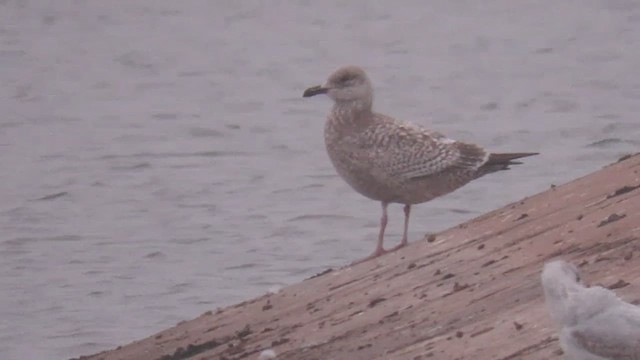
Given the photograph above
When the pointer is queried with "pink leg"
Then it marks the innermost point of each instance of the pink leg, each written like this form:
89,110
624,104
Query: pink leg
405,240
379,246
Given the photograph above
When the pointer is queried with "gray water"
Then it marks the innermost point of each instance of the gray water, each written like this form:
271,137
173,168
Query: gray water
158,161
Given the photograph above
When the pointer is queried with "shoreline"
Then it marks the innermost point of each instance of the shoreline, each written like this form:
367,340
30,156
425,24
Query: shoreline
473,292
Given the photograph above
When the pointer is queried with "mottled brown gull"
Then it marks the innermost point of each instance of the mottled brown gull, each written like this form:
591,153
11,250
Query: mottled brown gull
393,161
594,323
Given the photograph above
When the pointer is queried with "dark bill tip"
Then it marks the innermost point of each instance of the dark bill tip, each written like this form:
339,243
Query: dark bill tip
315,90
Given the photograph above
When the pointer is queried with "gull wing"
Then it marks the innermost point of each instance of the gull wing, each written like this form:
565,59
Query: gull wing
613,334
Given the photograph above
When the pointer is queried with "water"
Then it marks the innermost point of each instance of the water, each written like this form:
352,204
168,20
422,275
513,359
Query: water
158,160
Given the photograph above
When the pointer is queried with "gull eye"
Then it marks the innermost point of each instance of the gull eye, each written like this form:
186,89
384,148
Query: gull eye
344,79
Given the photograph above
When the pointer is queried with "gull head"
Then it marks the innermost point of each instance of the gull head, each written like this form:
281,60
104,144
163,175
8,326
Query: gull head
560,279
347,84
560,271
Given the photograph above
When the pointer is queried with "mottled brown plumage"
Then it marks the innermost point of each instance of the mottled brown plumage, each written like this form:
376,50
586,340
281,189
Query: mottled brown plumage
393,161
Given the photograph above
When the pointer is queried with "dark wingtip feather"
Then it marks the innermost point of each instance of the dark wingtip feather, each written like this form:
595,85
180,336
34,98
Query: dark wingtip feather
507,158
497,162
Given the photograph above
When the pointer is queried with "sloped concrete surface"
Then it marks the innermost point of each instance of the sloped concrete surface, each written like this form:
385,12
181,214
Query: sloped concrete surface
472,293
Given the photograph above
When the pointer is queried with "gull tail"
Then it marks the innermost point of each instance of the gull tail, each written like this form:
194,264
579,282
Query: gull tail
497,162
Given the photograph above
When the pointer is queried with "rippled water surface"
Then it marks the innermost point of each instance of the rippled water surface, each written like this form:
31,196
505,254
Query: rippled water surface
158,160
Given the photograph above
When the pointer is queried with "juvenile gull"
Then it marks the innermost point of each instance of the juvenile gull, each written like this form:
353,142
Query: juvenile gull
594,323
393,161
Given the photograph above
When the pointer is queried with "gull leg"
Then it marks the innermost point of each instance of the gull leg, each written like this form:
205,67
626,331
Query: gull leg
405,240
379,246
383,226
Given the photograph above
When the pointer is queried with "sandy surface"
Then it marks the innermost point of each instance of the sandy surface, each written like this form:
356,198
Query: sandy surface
474,292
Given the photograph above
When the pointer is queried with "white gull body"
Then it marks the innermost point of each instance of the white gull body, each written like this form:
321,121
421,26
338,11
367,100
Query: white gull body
594,323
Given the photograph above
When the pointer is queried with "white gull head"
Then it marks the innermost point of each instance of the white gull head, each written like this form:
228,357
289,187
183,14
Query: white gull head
559,280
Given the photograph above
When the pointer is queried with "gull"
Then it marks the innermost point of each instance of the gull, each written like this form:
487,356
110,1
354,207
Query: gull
594,323
393,161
